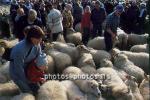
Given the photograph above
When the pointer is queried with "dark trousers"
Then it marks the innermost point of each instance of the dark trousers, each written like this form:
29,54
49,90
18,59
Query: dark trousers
97,30
86,35
108,41
55,36
34,87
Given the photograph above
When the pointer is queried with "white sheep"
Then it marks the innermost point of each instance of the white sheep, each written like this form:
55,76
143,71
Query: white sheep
134,39
113,81
139,59
131,83
107,63
122,38
144,88
97,43
2,50
73,90
86,59
99,55
8,43
121,61
73,37
72,51
140,48
24,96
61,60
4,72
9,89
89,70
51,65
52,90
86,85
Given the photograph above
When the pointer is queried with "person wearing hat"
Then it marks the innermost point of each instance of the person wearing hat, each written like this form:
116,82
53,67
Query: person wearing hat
23,53
35,72
112,23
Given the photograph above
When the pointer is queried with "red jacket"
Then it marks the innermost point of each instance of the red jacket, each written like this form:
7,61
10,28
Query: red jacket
86,20
34,75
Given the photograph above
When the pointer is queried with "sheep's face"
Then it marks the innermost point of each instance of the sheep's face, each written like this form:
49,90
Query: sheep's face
114,51
106,63
120,58
94,88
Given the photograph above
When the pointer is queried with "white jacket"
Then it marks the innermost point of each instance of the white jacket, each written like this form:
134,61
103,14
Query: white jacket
54,21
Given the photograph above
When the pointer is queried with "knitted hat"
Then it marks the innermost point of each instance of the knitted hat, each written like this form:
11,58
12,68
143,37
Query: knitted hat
41,60
119,8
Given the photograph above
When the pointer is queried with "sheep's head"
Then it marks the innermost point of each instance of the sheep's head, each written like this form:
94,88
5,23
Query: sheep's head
83,49
94,87
120,58
48,46
114,51
4,43
106,63
131,81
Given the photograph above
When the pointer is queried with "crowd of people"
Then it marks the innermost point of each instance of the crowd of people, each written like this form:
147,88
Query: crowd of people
56,16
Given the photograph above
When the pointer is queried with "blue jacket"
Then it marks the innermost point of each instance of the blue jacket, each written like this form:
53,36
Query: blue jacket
20,58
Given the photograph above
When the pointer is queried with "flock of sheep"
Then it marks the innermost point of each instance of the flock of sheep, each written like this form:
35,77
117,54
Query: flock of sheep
124,74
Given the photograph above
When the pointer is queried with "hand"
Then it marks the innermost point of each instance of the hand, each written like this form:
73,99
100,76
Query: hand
43,80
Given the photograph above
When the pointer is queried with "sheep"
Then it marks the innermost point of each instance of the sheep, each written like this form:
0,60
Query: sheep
97,43
107,63
131,83
61,60
51,65
139,59
8,43
99,55
87,86
140,48
144,88
73,91
4,72
8,89
24,96
121,61
122,38
52,90
88,70
72,51
73,37
134,39
2,50
113,81
86,59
